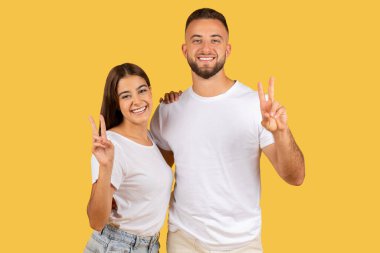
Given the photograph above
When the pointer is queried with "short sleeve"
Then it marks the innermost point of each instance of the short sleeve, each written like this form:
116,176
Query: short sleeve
156,125
117,170
266,137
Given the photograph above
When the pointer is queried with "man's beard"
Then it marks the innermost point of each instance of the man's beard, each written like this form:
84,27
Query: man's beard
206,73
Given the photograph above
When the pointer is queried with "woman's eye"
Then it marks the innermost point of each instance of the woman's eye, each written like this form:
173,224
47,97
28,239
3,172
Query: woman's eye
126,96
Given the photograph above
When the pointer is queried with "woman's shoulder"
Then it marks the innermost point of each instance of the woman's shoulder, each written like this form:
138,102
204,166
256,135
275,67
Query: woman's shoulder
115,138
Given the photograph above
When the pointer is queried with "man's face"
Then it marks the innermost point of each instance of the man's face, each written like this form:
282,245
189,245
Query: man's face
206,46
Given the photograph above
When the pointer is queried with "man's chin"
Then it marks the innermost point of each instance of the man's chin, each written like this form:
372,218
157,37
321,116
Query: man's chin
205,74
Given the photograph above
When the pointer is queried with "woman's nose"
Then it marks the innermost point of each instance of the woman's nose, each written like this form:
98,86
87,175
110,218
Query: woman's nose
136,100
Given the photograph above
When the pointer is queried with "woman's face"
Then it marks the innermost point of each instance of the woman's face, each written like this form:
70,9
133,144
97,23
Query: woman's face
135,99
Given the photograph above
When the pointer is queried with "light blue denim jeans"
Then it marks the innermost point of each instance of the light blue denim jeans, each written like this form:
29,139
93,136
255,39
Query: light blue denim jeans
114,240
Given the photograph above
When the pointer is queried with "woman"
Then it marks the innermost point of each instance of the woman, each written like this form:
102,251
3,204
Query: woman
131,180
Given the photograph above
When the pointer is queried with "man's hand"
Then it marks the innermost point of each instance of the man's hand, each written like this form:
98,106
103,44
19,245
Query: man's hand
274,115
171,97
285,155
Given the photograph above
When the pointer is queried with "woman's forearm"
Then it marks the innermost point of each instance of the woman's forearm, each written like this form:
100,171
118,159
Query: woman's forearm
100,204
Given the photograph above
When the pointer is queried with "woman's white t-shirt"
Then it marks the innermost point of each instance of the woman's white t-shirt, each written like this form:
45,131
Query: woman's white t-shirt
143,182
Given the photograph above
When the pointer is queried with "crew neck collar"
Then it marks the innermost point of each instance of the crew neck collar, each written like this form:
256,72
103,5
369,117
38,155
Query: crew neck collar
132,141
217,97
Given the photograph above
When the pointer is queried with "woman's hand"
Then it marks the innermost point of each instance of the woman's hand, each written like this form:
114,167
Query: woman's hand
102,148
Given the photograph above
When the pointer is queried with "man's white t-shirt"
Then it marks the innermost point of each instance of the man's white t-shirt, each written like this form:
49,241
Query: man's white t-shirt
143,182
217,143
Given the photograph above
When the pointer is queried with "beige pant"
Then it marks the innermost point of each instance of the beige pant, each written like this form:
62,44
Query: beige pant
181,242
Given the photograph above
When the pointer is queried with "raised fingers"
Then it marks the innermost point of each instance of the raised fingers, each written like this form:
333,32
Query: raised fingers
93,126
271,88
103,127
261,92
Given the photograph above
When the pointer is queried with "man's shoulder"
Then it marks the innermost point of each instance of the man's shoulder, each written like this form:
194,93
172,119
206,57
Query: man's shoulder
163,111
170,106
246,91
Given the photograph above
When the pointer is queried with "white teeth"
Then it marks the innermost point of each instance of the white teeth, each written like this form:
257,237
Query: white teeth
139,110
205,59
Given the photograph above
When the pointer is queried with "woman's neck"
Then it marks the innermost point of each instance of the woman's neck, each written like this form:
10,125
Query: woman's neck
137,133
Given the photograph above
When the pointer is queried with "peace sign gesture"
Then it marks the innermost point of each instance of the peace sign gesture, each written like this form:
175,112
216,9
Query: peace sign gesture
274,115
102,148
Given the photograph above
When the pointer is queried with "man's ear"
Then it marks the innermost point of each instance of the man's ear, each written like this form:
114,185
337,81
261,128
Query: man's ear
228,50
184,50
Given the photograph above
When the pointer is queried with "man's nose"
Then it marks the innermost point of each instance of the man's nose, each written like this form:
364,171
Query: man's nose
206,47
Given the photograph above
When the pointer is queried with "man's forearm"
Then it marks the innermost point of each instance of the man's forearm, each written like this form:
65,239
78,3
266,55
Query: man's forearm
290,160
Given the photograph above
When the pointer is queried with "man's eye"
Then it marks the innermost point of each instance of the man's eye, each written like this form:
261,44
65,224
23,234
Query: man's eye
216,41
143,90
196,41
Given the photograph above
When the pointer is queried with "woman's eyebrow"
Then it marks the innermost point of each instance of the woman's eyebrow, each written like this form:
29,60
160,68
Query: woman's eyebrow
123,92
127,91
142,85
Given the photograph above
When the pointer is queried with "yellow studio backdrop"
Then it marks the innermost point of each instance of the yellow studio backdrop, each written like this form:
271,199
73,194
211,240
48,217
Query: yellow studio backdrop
55,56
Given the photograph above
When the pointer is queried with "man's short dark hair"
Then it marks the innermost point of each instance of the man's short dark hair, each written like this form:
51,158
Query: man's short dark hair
206,13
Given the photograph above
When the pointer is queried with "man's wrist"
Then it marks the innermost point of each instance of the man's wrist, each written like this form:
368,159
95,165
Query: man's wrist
282,133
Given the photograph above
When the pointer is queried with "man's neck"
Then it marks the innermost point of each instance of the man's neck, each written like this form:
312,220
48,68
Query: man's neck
214,86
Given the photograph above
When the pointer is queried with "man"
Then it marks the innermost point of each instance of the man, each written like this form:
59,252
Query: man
215,133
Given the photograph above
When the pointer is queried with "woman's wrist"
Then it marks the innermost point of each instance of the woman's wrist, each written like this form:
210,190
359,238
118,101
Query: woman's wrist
105,171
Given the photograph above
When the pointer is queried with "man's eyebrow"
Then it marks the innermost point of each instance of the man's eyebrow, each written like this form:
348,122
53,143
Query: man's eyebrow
195,35
217,35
